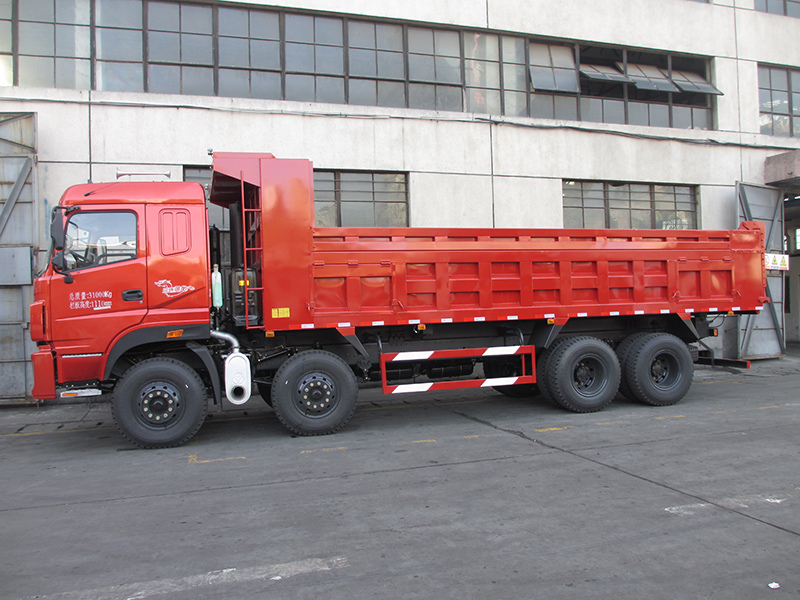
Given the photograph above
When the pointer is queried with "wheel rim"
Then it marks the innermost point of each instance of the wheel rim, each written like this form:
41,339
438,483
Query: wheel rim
664,371
589,376
316,395
159,405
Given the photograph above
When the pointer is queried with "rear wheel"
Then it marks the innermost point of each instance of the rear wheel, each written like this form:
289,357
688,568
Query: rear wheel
583,374
159,403
659,370
314,393
543,367
623,353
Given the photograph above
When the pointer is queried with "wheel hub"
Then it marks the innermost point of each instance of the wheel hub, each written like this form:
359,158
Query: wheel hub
158,404
316,395
584,376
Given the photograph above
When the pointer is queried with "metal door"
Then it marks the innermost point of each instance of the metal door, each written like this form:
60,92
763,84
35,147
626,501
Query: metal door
18,230
762,335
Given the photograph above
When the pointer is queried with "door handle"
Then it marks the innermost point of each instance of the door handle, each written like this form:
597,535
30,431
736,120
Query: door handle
133,295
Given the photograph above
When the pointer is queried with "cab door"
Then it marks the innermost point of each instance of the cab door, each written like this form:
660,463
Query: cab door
103,290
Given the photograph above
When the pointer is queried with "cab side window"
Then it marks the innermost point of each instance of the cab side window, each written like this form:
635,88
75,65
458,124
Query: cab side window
100,238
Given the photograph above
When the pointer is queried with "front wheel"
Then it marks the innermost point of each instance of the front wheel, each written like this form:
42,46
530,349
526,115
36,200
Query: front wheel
314,393
159,403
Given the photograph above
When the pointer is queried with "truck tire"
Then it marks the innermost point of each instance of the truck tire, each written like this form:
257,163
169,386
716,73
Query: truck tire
583,374
159,403
314,393
623,353
543,368
503,368
659,369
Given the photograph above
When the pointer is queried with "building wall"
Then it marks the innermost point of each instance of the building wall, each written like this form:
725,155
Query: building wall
463,169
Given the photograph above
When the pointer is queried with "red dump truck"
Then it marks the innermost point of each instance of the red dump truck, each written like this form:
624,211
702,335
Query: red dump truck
141,299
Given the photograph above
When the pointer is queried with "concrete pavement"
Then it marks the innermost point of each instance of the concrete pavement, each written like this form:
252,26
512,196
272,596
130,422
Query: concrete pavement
463,494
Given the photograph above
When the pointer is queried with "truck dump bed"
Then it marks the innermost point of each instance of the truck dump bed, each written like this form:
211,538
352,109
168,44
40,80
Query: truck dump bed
350,277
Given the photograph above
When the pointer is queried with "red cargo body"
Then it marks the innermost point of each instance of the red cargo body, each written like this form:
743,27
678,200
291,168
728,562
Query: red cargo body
365,277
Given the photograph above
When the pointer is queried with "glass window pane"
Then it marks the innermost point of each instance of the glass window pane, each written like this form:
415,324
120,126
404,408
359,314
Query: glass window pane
328,31
563,57
542,106
447,43
573,218
265,85
592,110
482,74
420,40
391,65
421,96
780,102
265,55
543,78
613,111
6,70
483,101
37,10
448,70
513,50
638,113
36,71
566,108
701,118
120,77
392,94
619,219
195,19
300,87
363,63
37,39
448,98
779,79
164,16
566,80
594,218
682,117
421,67
361,34
119,44
119,13
197,81
389,37
515,77
164,79
73,74
234,52
363,91
516,104
73,41
325,214
299,28
5,36
264,25
391,214
234,83
164,46
234,22
330,60
659,115
358,214
75,12
196,49
300,57
330,89
481,46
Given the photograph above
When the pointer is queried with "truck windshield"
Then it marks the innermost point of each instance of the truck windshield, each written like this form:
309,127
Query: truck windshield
99,238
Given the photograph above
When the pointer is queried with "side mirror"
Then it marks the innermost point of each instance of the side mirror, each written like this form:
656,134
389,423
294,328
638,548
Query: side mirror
57,231
60,266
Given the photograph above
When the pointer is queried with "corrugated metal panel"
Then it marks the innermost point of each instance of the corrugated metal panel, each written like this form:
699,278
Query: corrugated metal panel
18,234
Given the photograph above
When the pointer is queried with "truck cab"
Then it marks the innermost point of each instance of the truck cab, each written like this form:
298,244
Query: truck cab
129,265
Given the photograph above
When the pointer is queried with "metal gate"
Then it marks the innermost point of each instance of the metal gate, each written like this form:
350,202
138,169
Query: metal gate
762,335
18,230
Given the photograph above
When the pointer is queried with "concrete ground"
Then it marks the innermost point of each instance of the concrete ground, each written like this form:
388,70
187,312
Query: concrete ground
465,494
